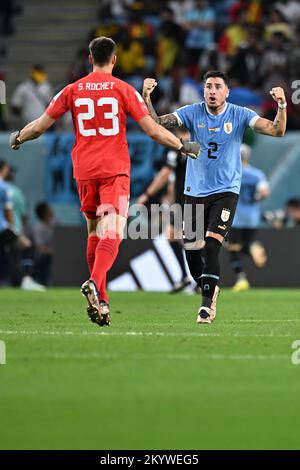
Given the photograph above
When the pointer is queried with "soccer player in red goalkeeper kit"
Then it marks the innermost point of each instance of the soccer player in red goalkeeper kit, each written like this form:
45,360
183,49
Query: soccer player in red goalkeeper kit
99,103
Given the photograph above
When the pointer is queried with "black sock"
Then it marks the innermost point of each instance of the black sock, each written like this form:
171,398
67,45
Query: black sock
195,262
236,262
27,262
211,270
178,252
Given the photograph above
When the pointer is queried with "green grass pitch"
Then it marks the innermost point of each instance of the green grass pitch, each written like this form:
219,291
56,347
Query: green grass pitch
154,379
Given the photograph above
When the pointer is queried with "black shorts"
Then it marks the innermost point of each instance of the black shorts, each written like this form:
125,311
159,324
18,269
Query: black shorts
8,237
176,214
213,213
242,236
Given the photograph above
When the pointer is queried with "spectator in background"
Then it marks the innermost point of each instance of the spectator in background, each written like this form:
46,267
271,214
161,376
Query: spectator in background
274,63
31,97
212,59
79,67
180,8
294,57
169,40
277,24
19,204
7,236
12,242
131,55
288,217
21,261
6,217
235,34
254,188
199,24
252,9
113,9
141,32
245,65
43,237
290,9
293,212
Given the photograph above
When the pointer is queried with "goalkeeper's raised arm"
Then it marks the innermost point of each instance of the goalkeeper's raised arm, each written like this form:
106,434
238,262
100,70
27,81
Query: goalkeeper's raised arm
169,121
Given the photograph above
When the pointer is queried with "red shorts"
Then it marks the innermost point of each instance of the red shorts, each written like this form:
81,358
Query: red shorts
104,195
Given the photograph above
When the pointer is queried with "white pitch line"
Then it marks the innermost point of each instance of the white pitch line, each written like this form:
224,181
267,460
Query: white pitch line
177,357
260,321
140,334
232,357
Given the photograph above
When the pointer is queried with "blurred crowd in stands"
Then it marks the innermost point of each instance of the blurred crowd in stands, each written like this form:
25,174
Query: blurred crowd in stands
256,42
177,41
8,10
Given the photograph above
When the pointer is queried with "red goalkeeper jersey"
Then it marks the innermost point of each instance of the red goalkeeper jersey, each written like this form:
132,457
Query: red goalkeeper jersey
99,104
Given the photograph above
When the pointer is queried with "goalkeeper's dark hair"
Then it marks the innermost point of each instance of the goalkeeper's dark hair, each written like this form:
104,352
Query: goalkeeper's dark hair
101,49
216,74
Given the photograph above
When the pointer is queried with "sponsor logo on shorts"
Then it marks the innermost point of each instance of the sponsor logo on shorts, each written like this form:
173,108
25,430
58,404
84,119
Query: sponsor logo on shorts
225,215
222,227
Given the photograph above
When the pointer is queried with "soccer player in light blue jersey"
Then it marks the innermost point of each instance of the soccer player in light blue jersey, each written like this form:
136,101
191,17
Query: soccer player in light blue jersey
214,179
254,189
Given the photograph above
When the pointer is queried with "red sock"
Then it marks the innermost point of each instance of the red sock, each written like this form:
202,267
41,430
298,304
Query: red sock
102,291
92,243
106,253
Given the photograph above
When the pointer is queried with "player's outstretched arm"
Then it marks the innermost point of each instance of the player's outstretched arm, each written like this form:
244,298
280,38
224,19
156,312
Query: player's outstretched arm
32,131
278,126
165,137
159,181
169,121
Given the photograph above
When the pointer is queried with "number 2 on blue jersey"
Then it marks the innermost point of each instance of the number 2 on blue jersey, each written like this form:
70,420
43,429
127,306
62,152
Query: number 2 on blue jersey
212,150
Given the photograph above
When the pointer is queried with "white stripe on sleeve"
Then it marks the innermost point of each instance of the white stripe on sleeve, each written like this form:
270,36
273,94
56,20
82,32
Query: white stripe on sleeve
178,119
253,121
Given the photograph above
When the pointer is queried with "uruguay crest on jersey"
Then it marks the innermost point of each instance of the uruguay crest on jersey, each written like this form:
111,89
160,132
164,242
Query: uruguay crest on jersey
228,127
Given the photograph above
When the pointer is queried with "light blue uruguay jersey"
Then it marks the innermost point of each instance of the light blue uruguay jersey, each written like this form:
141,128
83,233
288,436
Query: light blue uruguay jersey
247,213
218,168
5,203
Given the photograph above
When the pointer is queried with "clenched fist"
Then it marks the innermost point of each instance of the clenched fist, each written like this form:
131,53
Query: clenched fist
14,141
148,87
277,94
191,149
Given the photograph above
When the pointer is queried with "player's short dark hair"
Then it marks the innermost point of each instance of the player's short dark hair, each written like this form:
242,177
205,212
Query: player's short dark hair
41,210
3,164
101,49
216,74
294,203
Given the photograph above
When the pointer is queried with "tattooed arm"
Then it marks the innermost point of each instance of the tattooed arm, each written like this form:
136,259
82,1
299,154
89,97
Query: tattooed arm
278,126
169,121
